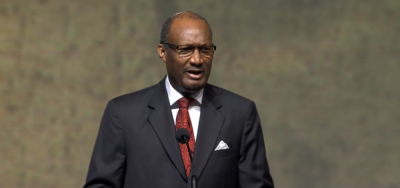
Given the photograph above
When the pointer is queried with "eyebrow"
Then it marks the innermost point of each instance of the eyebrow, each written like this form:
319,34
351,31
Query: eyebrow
203,44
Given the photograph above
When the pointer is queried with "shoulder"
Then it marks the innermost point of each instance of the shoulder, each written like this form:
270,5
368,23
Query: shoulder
229,98
136,98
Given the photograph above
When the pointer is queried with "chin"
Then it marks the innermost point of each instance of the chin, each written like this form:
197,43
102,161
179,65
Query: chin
194,87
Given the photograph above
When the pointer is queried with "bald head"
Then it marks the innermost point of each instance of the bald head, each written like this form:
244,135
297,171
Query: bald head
166,27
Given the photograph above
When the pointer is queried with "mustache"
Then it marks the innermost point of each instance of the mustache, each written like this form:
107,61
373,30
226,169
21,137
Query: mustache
197,69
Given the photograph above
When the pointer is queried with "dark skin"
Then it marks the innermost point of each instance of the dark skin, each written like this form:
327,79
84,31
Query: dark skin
187,31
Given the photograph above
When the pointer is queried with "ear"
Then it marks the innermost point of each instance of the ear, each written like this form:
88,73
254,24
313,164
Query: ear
161,52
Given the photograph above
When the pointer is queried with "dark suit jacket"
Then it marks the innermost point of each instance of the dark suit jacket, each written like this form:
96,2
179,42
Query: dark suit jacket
136,145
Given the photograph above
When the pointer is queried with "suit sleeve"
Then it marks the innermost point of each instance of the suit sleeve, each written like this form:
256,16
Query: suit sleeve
107,165
253,165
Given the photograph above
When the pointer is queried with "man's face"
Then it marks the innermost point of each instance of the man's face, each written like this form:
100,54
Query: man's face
188,73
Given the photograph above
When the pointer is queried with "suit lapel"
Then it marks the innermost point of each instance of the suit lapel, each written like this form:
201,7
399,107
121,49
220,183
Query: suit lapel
209,127
163,124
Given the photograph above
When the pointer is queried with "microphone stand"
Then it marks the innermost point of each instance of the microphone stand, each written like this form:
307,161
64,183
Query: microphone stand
194,178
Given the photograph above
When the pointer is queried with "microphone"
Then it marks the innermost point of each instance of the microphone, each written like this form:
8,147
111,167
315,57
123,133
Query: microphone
183,136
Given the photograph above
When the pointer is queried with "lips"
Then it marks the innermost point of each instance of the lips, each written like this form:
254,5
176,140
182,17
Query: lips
195,73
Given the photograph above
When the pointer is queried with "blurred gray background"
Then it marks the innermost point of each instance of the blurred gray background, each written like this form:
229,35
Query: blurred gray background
324,74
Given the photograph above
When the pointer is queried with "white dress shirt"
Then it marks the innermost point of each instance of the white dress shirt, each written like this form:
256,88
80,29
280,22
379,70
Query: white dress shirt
194,108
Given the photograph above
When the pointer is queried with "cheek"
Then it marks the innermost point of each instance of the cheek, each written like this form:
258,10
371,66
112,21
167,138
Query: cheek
175,67
208,65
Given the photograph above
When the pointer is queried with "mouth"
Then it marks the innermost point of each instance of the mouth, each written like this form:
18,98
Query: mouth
195,74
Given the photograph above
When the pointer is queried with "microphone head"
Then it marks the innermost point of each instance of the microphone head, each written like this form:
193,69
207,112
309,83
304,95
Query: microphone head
182,135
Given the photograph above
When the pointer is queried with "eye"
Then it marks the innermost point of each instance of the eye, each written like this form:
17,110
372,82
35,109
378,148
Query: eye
205,49
186,50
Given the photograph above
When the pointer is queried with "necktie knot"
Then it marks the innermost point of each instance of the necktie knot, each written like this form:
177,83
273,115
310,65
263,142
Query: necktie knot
184,102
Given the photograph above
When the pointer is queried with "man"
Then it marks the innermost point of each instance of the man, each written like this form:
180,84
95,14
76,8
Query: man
136,145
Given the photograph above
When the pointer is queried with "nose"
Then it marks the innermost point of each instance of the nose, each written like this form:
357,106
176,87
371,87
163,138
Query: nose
196,59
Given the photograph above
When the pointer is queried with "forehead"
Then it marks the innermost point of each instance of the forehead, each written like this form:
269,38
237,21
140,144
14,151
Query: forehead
185,31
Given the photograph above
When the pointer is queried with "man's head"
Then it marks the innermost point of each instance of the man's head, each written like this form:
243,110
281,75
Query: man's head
187,50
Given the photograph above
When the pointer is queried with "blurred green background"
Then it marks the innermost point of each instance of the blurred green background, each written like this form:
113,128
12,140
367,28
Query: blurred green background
324,74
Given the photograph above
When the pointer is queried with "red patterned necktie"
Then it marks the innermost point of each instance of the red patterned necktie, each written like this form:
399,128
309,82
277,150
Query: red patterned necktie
183,121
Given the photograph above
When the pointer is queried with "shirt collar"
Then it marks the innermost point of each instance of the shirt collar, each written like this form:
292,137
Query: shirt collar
174,95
